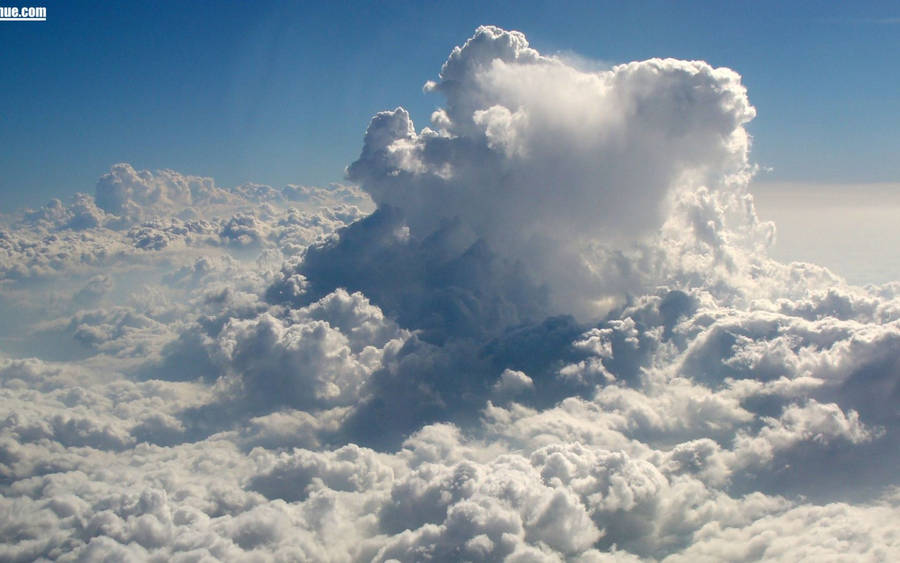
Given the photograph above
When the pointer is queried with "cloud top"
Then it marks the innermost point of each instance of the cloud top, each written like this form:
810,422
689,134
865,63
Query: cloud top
542,160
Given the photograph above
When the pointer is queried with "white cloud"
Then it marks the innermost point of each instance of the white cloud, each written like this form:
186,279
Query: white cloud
512,383
196,373
542,160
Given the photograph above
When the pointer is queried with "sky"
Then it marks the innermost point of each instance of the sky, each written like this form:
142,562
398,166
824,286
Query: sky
351,283
279,92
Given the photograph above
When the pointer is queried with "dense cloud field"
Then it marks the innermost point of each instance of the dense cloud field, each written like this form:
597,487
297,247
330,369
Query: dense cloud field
544,328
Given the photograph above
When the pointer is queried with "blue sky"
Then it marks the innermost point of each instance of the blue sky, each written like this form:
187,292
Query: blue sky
281,92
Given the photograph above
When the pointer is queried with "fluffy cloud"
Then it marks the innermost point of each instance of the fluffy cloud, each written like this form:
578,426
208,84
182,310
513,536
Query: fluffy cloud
306,362
543,161
558,337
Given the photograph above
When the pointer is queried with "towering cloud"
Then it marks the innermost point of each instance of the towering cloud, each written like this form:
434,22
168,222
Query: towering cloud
544,162
557,337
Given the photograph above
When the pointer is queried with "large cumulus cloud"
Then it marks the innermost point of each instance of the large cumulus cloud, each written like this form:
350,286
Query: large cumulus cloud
543,162
558,337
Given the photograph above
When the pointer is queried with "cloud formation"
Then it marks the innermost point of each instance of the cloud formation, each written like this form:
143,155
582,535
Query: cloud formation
543,162
557,337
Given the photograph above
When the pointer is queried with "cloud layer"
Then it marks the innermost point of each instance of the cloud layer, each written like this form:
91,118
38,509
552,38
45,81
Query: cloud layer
556,336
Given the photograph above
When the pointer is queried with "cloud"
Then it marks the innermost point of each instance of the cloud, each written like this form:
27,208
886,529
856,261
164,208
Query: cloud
541,160
133,194
448,284
304,364
513,382
558,336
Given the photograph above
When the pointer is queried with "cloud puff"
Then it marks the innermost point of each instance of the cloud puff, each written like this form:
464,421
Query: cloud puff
306,362
513,382
125,191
